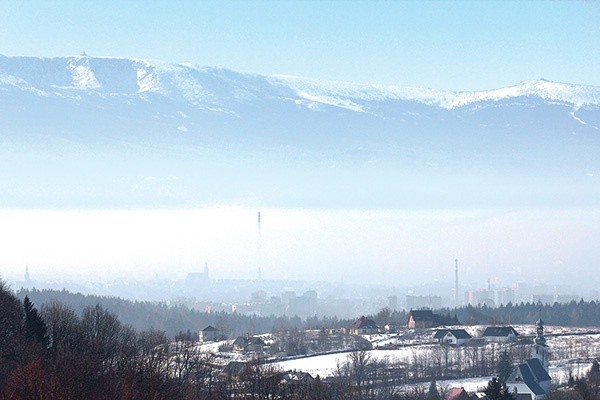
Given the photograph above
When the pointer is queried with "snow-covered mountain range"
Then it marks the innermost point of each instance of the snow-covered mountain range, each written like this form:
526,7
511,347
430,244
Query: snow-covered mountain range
87,131
202,86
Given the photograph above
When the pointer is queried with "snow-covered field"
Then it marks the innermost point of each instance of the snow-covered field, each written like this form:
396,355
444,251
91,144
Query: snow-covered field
573,351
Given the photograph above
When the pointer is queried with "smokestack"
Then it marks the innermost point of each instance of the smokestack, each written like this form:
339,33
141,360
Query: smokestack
259,249
456,281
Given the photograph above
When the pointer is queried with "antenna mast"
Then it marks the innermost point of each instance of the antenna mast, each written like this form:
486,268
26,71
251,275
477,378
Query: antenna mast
259,249
456,281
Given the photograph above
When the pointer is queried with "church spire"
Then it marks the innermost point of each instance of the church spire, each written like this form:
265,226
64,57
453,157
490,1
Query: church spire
540,348
539,331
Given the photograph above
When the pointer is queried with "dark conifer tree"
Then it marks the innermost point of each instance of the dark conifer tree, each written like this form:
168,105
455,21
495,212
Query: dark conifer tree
433,393
504,366
496,390
35,328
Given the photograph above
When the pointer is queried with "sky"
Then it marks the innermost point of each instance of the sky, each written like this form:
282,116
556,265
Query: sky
449,45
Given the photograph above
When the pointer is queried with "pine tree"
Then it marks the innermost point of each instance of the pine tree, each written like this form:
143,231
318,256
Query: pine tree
433,393
497,390
35,328
504,366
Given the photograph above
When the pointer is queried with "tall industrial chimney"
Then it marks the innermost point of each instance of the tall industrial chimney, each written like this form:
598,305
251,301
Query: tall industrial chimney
259,250
456,281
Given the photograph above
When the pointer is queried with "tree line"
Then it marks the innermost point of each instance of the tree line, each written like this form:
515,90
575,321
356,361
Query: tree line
177,319
574,313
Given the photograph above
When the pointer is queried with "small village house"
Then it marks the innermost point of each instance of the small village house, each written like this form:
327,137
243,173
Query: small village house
454,337
457,393
210,334
500,334
244,344
421,319
364,326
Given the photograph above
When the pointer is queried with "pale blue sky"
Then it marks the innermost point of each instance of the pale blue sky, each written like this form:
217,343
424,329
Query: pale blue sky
459,45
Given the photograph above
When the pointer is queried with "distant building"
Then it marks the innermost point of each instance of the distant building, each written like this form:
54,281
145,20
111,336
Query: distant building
364,326
420,319
195,279
290,377
500,334
210,334
504,296
235,369
287,296
248,344
420,302
454,337
480,297
259,297
311,294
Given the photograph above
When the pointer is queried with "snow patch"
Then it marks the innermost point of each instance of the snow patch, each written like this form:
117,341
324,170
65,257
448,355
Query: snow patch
582,122
147,81
332,101
10,80
82,75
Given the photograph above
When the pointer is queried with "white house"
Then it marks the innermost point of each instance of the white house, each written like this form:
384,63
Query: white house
455,337
500,334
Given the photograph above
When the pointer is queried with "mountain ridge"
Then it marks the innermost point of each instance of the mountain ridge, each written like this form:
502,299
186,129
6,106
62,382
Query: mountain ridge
190,82
116,132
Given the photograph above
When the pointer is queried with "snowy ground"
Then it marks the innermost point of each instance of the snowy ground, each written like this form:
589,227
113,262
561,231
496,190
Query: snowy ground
325,365
572,350
573,346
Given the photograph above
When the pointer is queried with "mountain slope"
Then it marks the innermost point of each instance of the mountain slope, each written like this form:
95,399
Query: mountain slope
104,132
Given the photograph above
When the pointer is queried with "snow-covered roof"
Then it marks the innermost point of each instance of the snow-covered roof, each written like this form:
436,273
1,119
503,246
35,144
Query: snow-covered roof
539,372
499,331
457,333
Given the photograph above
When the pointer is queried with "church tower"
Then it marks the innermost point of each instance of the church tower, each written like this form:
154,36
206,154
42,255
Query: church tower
540,348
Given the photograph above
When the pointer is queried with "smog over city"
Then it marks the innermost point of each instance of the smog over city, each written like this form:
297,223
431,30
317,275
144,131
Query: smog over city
301,159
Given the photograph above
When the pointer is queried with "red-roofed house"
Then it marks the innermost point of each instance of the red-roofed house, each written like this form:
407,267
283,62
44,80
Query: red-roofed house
364,326
458,394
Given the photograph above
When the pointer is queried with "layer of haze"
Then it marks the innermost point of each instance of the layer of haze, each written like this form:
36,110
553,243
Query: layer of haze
391,247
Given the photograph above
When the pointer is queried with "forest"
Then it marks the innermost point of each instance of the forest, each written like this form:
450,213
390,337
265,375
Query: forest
177,319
